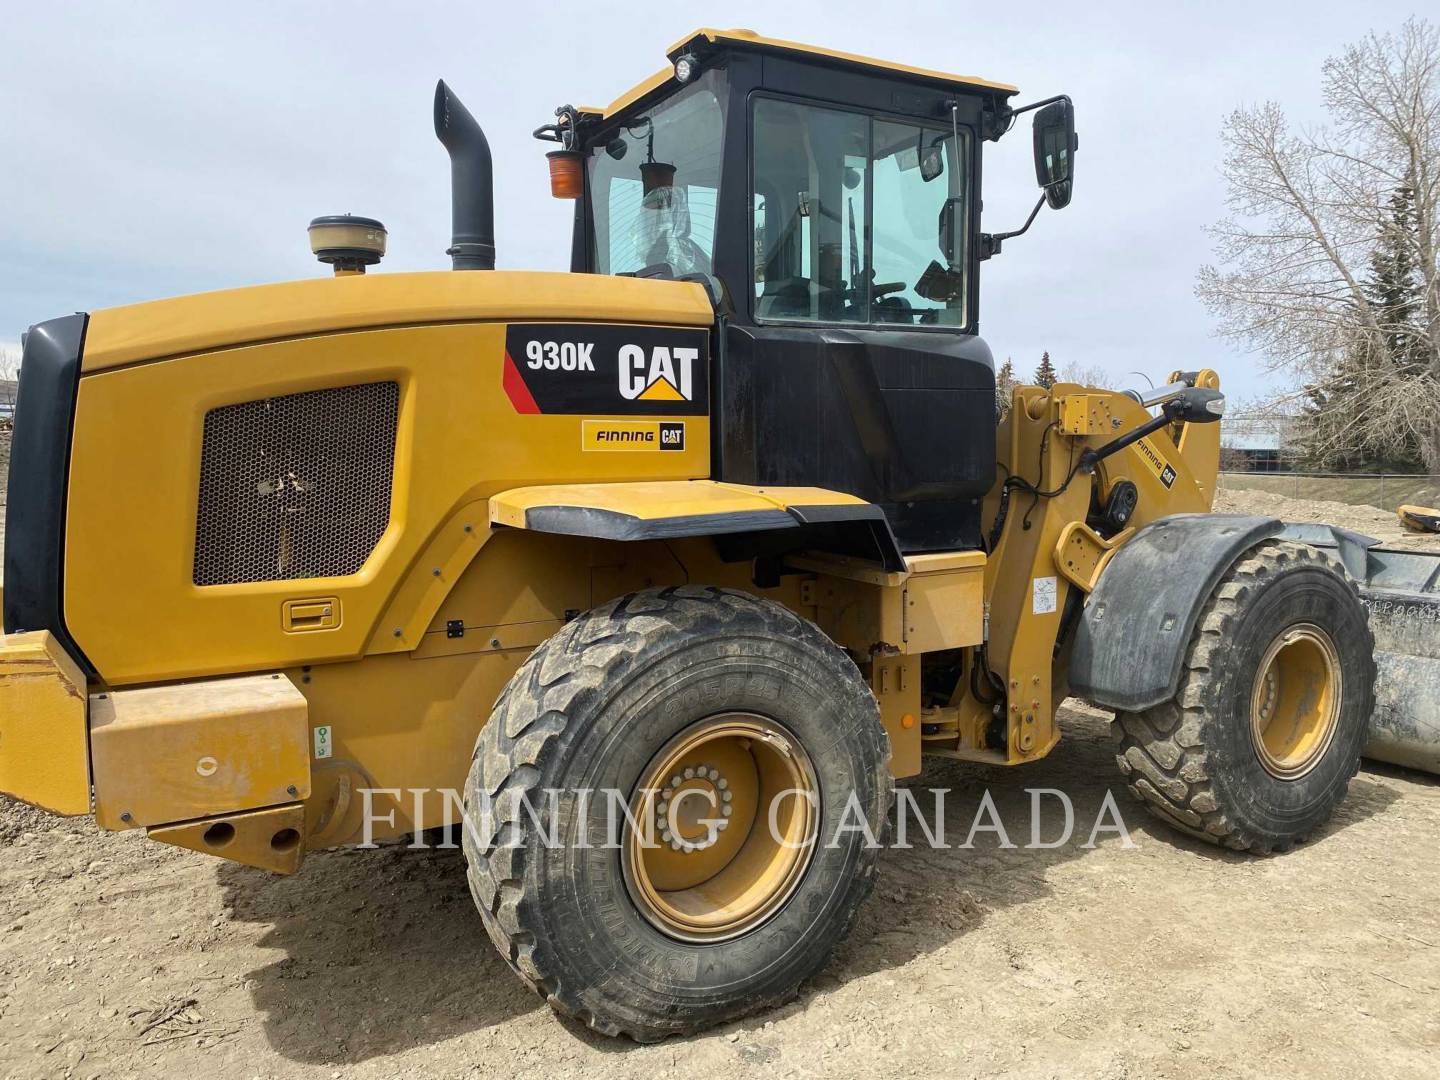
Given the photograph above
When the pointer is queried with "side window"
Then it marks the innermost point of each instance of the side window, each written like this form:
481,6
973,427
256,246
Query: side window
810,215
918,184
858,219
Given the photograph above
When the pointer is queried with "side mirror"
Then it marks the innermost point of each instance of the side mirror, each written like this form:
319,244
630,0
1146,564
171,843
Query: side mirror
932,162
1055,145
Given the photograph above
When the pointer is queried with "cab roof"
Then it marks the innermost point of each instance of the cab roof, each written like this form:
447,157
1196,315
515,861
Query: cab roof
706,38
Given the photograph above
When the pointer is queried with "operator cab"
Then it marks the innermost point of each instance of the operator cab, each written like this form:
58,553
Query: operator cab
833,204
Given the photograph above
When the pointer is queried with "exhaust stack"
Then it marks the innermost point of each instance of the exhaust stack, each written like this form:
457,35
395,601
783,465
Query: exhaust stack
472,184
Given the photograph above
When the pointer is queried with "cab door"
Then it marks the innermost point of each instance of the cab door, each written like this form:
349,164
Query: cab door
855,365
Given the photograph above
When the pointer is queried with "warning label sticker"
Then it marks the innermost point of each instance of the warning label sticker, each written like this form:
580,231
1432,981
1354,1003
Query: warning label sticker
1042,601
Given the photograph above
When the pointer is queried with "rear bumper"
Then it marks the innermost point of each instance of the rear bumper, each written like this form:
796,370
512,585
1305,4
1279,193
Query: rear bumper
217,765
44,747
184,752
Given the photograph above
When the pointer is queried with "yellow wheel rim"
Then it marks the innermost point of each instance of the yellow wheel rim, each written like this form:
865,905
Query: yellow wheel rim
724,821
1295,703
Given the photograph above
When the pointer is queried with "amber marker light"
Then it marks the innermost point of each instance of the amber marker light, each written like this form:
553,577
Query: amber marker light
566,177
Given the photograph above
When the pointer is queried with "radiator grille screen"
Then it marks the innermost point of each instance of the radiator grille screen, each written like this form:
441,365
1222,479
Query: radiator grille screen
295,486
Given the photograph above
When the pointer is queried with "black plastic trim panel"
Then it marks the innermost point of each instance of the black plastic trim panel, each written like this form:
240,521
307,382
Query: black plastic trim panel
613,525
824,527
39,474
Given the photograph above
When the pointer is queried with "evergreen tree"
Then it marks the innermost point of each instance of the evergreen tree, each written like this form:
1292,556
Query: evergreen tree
1325,438
1332,434
1394,288
1045,374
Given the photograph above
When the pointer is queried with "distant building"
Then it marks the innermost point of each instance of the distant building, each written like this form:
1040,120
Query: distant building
1257,442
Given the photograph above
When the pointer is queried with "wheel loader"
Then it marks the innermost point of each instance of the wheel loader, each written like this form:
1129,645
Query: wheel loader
726,519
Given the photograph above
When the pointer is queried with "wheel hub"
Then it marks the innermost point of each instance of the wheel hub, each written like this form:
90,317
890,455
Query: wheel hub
680,812
1295,702
727,812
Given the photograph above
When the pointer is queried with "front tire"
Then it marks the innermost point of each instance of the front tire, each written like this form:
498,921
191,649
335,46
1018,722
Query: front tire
718,692
1259,743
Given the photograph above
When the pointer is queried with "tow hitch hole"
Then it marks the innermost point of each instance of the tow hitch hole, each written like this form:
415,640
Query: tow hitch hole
285,840
219,834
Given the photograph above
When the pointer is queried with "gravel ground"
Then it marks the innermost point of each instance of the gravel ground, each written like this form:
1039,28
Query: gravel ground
1168,958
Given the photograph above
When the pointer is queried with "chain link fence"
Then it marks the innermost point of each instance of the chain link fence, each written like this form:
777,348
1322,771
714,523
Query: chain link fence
1383,490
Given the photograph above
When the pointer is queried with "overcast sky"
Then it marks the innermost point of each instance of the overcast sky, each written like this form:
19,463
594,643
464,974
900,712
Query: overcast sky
153,149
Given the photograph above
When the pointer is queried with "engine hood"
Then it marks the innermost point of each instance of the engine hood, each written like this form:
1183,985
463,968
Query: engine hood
215,320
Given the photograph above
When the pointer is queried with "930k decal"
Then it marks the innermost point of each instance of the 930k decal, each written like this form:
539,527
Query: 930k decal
607,369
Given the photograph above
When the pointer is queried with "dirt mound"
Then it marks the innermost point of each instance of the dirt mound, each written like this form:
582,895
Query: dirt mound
1369,520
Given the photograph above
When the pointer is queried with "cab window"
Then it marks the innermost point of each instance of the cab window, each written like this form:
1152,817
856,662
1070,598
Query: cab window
858,219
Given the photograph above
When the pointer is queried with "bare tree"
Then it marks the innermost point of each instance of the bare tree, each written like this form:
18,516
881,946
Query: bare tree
1233,459
1308,212
1004,387
1085,374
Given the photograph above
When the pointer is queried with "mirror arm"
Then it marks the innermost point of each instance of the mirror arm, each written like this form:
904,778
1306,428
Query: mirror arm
1010,114
990,243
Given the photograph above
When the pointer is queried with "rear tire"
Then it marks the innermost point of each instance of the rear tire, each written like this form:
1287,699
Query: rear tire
1259,743
603,705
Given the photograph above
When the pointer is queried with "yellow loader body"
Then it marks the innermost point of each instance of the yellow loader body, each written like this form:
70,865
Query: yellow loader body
389,672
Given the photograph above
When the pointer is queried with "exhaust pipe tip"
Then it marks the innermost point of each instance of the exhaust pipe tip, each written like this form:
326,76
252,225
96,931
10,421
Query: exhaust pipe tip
472,183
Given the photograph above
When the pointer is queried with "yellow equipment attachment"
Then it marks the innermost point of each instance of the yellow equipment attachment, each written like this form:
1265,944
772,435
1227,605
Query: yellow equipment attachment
1419,518
270,839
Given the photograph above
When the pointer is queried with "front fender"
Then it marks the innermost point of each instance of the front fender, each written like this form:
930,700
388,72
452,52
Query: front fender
1137,624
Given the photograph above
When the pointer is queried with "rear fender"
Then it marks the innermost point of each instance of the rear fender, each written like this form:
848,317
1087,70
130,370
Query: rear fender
773,518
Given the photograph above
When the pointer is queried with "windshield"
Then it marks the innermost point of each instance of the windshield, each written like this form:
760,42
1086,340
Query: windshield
653,185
